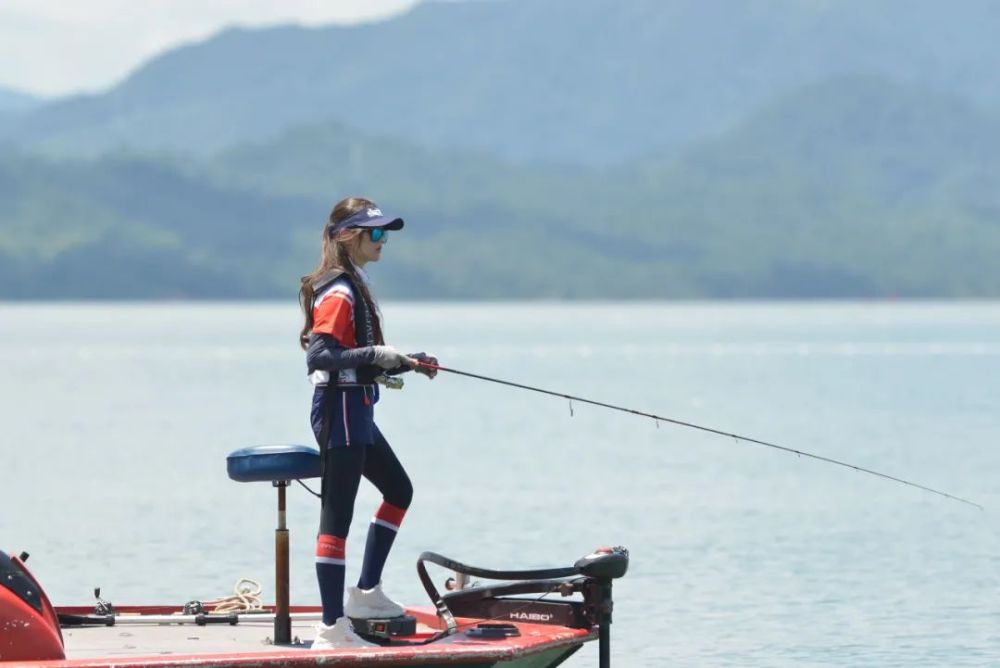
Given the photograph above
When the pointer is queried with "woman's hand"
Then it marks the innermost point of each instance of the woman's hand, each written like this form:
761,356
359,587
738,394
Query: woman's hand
426,358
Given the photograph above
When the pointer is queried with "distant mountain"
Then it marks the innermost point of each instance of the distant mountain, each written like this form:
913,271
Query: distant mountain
837,189
591,82
16,101
850,187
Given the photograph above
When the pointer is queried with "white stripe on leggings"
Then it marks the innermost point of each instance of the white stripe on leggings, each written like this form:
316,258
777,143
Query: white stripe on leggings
347,428
330,560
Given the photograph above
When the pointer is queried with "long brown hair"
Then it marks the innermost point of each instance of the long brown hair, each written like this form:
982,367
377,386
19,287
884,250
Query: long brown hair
336,257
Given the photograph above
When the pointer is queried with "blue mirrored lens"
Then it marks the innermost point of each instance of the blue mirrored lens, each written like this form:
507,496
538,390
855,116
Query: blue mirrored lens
377,234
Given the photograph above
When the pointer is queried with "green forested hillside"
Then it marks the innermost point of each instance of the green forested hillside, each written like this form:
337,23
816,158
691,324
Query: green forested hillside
573,82
850,187
126,227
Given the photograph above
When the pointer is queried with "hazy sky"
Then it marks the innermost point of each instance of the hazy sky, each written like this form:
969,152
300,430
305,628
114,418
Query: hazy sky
54,47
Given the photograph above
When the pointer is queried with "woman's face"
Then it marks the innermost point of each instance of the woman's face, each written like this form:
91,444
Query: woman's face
367,250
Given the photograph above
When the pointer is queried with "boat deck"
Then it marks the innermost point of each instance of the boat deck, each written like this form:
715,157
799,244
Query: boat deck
167,639
249,644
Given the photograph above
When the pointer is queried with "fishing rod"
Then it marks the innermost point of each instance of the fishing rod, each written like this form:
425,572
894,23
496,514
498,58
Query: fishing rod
660,418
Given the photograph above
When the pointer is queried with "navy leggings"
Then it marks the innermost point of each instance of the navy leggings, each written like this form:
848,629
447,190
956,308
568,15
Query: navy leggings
342,473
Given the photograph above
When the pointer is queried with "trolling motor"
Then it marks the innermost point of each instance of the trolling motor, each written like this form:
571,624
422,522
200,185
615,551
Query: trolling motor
590,577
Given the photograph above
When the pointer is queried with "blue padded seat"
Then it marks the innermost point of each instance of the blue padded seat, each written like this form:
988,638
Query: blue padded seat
270,463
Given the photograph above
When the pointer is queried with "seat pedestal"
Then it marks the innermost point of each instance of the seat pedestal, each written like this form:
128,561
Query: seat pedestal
282,617
277,464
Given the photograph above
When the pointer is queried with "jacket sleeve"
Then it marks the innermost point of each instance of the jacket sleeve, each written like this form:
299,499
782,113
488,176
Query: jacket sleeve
326,354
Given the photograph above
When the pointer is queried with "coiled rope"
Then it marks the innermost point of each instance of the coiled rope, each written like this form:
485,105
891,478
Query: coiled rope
245,598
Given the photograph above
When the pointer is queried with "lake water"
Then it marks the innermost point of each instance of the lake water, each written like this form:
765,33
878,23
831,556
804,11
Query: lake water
117,420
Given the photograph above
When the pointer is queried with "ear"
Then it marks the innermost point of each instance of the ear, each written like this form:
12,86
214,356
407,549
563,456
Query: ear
353,246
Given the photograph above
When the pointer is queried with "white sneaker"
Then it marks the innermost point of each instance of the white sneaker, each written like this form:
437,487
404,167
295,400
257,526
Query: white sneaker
339,636
371,604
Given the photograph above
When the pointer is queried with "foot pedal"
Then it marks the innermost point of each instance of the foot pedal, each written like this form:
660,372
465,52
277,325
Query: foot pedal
493,631
385,628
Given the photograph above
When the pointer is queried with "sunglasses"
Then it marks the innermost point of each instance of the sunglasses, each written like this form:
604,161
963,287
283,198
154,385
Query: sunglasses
377,234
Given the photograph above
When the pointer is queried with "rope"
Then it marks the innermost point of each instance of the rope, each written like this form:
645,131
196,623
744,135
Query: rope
245,598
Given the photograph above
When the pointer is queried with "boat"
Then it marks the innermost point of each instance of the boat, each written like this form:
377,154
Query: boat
523,619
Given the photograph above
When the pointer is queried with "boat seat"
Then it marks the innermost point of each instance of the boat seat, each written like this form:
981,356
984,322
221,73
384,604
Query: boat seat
273,463
278,465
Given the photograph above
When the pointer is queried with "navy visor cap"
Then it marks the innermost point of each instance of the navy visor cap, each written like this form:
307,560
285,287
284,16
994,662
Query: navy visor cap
368,217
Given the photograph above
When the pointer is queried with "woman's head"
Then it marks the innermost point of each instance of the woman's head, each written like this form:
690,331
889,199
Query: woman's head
340,244
356,231
354,235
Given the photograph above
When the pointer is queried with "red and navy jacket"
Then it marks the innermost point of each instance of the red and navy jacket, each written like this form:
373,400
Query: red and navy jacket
343,333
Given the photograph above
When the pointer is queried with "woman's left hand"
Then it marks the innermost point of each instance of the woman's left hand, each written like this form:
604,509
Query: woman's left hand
425,358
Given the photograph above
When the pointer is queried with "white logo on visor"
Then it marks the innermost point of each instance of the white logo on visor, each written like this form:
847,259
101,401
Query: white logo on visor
374,213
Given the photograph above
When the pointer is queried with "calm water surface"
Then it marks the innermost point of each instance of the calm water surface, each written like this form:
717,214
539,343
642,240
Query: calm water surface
117,420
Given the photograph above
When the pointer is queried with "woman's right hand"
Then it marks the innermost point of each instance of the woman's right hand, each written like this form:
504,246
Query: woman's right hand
426,364
388,357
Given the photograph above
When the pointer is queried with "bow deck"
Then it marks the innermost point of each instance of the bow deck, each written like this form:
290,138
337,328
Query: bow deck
248,644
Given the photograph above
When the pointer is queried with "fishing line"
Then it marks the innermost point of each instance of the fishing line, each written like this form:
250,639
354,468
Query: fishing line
681,423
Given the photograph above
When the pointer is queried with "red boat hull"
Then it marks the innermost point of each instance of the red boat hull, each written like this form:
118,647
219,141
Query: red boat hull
29,628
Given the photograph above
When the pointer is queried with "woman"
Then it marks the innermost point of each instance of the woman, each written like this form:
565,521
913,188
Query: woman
346,355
